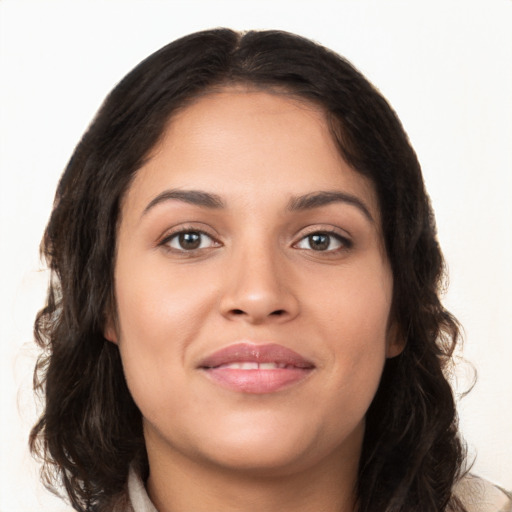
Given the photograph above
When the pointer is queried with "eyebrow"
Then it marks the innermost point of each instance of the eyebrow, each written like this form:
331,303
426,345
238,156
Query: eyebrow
297,203
324,198
195,197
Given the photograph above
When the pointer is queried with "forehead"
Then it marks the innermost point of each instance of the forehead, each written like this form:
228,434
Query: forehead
245,117
245,142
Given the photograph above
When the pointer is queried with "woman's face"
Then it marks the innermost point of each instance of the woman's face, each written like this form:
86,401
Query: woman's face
253,289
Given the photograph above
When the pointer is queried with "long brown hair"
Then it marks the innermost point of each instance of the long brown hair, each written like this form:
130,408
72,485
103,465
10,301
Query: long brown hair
91,430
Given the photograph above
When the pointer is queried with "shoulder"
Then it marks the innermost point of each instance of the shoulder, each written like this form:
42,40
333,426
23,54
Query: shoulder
479,495
476,494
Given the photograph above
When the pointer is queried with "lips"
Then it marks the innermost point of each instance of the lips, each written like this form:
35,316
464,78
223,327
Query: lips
250,368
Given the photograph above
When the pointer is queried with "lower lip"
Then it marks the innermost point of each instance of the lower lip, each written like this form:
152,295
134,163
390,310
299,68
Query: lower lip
257,381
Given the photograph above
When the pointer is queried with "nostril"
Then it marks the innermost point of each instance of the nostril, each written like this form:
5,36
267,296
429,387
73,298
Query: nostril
277,312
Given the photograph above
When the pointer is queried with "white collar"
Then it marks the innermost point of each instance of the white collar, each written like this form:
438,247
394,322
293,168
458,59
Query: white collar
139,498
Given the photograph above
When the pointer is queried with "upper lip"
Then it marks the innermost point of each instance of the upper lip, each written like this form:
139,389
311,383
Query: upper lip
250,352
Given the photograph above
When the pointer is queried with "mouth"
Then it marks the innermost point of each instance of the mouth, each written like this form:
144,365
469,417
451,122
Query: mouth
257,369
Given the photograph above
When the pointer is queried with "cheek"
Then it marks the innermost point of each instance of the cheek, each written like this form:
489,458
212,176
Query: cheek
356,367
354,318
159,316
156,306
355,306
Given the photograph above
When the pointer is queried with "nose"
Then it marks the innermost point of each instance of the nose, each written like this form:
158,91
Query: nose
259,288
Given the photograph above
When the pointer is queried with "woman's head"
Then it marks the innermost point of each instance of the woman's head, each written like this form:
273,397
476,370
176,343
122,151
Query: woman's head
219,76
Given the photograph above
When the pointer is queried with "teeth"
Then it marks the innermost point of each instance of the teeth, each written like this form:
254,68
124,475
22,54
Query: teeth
246,366
270,366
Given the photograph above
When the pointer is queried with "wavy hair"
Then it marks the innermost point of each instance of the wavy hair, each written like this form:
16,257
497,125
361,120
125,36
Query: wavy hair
91,430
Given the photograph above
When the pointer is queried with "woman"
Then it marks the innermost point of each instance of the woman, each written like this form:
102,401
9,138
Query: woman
244,313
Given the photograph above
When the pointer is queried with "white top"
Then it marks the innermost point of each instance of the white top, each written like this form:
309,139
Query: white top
478,495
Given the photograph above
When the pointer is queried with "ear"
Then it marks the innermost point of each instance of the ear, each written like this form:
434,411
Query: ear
109,329
395,342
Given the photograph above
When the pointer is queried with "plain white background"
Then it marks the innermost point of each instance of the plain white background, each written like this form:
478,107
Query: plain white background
445,67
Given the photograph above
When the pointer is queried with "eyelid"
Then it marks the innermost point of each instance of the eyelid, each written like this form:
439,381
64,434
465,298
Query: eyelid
170,234
324,228
330,230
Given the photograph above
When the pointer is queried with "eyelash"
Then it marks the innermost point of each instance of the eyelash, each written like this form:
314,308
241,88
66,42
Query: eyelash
187,231
345,243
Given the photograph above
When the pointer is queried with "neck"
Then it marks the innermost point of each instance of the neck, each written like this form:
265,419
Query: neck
177,483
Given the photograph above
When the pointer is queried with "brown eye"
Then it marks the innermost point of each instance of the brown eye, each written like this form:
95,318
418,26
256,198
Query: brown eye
189,241
323,242
319,242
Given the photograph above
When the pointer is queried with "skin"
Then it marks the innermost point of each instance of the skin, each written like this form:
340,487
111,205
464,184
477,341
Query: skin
255,277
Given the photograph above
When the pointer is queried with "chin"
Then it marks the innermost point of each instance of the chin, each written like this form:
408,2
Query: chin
277,449
261,459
